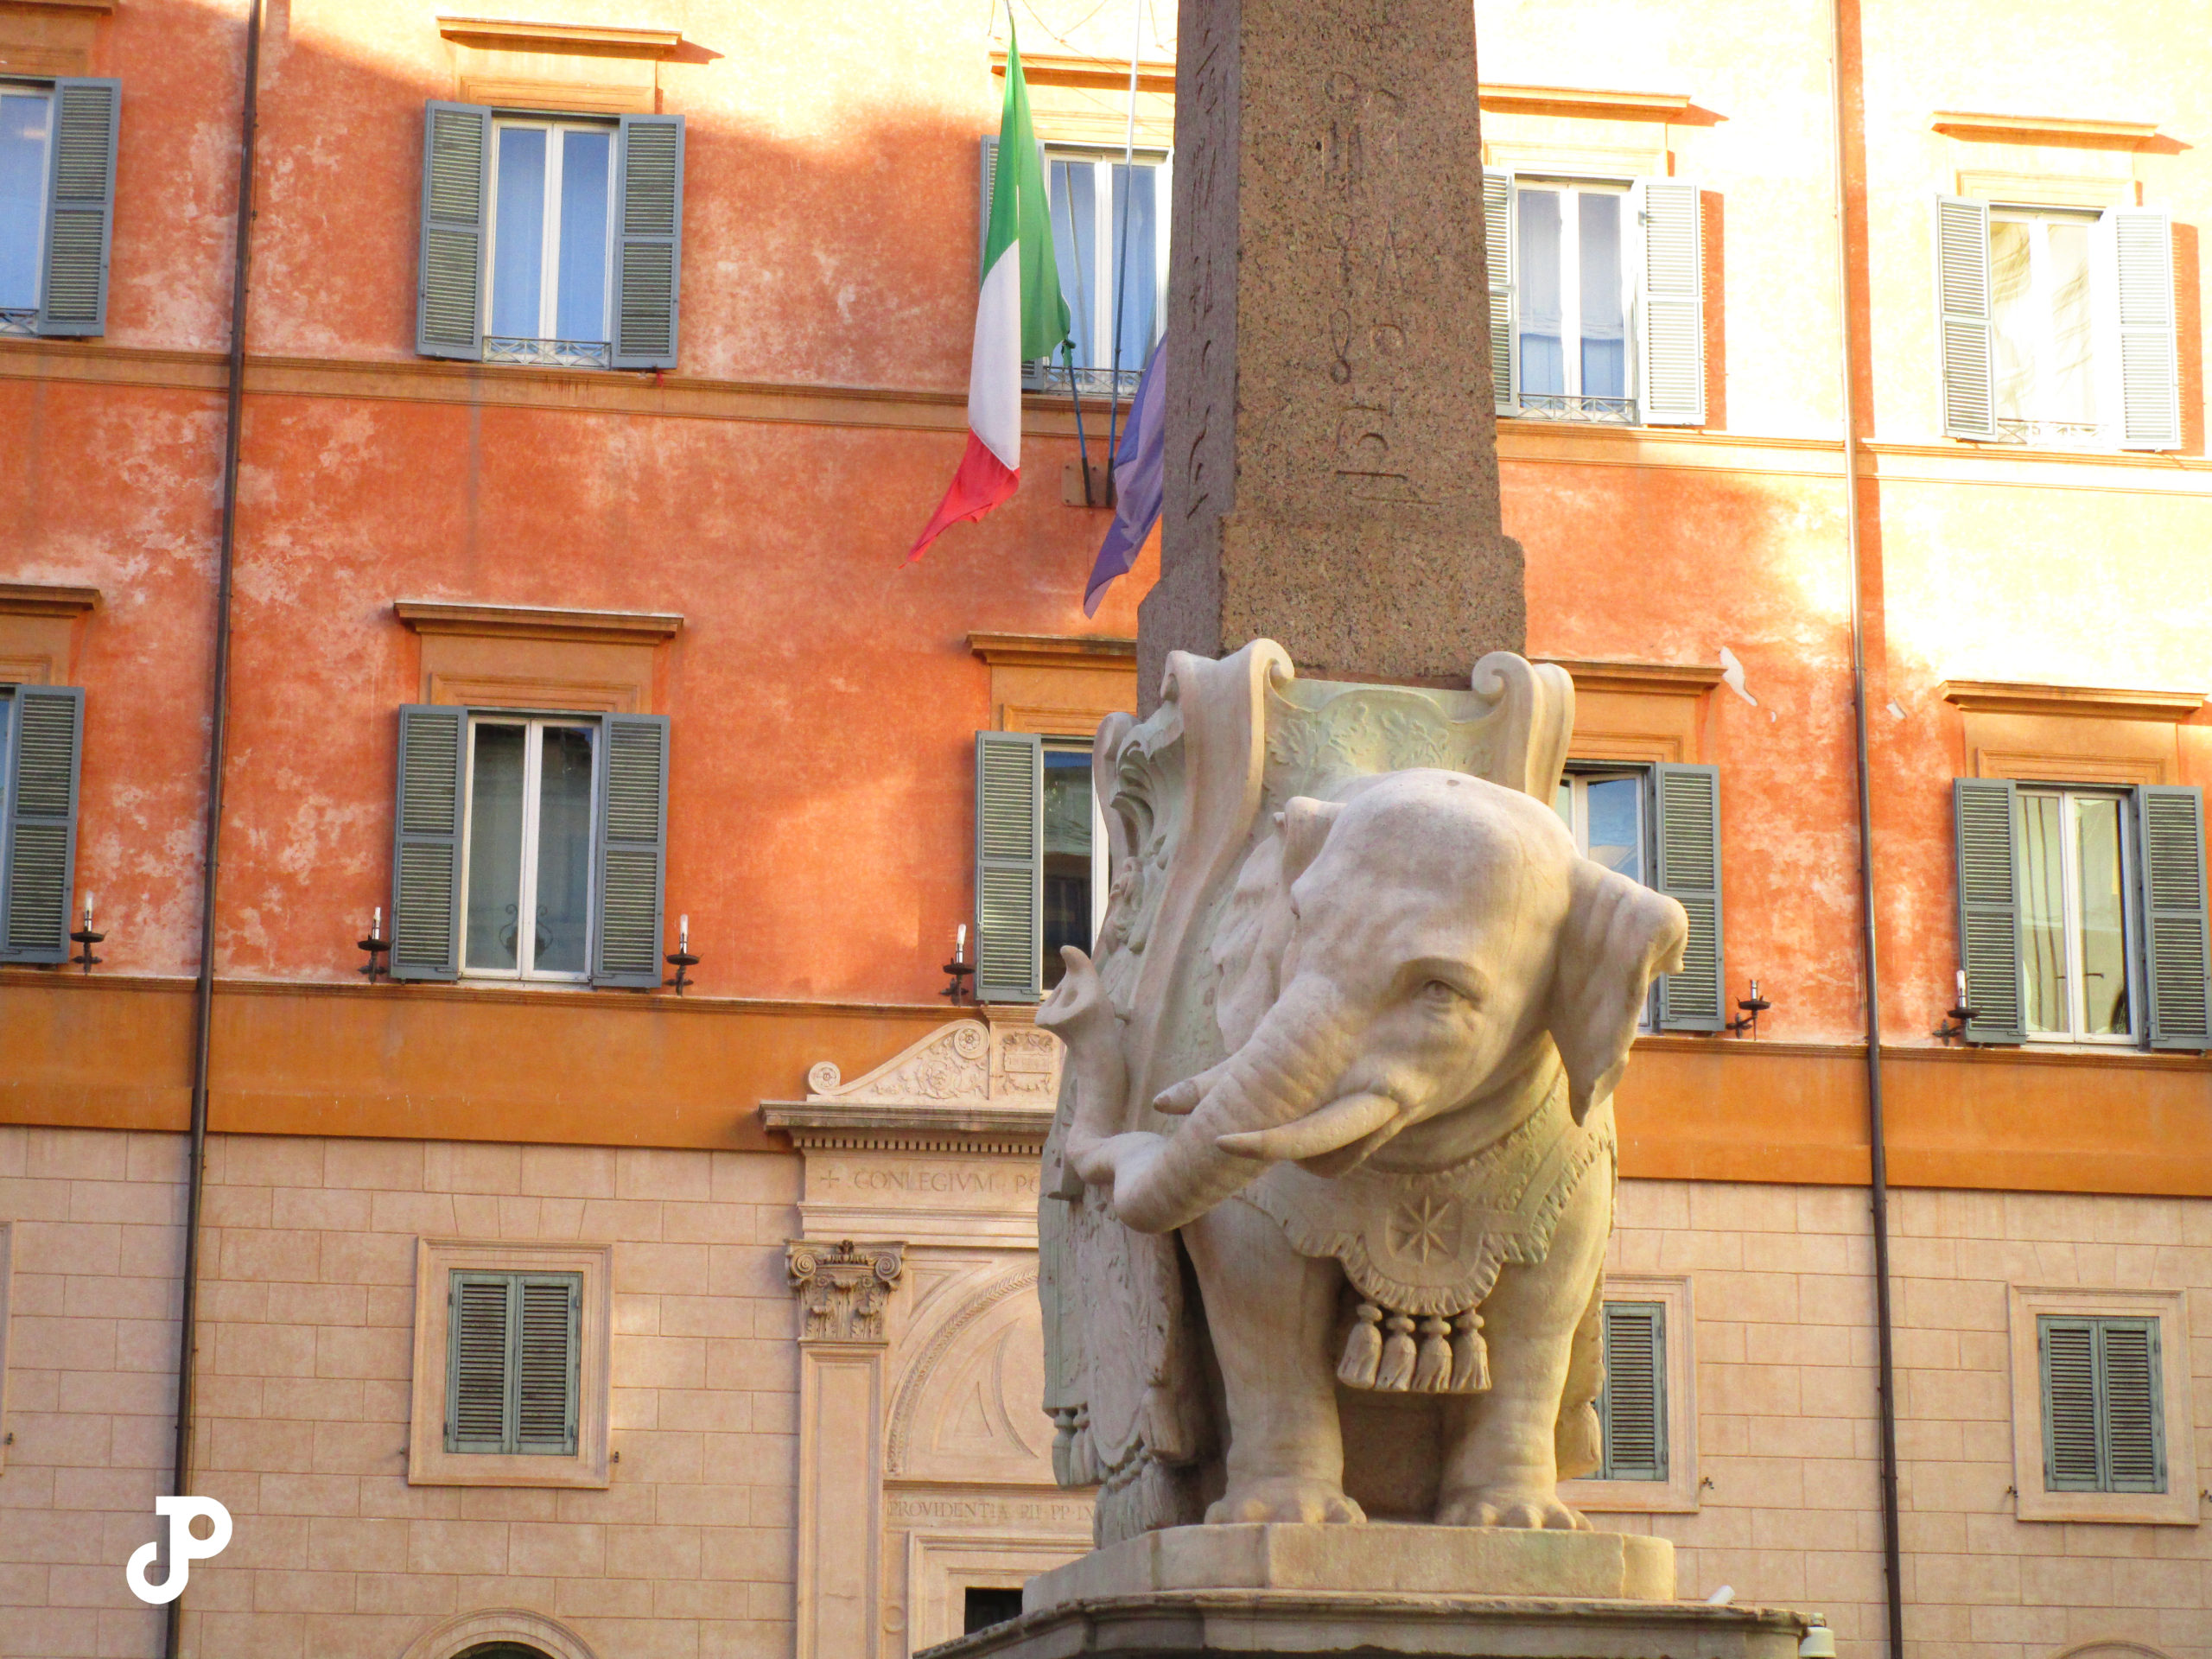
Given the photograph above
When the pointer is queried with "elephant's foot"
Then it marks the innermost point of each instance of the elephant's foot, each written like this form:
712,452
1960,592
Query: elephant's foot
1508,1506
1285,1498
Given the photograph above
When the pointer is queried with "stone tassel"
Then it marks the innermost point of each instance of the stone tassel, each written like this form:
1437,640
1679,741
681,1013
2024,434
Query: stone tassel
1362,1349
1396,1370
1433,1370
1470,1355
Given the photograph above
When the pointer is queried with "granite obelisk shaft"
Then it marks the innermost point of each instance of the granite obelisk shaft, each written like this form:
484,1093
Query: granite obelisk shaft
1332,445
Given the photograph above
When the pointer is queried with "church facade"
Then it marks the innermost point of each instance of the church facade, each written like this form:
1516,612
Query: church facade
613,1242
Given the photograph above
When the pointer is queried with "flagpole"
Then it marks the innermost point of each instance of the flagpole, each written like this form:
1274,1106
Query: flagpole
1121,253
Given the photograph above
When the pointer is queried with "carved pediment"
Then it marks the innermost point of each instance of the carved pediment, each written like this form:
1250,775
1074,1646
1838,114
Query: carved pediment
979,1085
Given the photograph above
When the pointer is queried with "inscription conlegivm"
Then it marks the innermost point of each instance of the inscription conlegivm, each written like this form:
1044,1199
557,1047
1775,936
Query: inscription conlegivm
987,1511
996,1183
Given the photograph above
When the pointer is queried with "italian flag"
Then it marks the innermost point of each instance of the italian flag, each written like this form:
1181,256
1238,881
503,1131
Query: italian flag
1021,314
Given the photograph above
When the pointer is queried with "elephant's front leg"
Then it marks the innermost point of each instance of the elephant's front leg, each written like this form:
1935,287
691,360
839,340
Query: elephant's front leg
1501,1464
1272,1312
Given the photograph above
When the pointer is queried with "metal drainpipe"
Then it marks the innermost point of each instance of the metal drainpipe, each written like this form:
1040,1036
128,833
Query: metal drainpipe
1886,1362
204,1002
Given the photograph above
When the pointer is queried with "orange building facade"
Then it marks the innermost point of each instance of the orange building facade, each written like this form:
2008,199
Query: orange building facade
649,482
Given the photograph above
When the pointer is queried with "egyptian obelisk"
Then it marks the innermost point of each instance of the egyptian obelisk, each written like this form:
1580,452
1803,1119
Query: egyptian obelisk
1331,479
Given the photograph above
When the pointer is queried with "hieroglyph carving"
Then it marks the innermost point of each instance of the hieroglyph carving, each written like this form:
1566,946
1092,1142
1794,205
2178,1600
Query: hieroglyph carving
841,1288
1345,1065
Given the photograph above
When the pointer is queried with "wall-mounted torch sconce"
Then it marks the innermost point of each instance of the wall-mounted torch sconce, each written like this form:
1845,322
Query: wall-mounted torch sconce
84,937
1955,1031
378,946
681,959
1751,1007
957,970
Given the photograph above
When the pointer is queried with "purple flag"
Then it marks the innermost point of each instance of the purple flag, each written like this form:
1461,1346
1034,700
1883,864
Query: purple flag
1140,478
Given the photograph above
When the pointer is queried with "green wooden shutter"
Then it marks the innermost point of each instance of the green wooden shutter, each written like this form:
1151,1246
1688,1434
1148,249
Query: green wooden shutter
1985,813
1962,289
479,1333
1686,863
2103,1404
2176,947
549,1321
2134,1438
426,842
1497,253
2069,1352
2148,379
1009,866
1670,300
80,207
983,200
649,241
456,178
38,820
630,859
1632,1404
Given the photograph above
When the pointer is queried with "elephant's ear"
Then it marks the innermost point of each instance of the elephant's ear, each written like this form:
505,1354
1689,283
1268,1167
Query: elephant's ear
1618,935
1304,823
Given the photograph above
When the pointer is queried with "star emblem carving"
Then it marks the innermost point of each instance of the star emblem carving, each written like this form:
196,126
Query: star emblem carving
1424,1227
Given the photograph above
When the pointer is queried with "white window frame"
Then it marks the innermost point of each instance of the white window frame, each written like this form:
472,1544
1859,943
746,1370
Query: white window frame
1572,403
548,296
2103,433
535,726
1578,780
1104,160
23,319
2070,906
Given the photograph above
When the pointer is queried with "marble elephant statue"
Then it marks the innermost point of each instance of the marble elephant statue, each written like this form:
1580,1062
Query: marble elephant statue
1400,1180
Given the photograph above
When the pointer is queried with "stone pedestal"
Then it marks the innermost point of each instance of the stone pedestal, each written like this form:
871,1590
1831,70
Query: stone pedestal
1259,1591
1331,478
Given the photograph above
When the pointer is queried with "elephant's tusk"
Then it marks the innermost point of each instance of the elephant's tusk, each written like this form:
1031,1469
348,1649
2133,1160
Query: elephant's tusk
1337,1124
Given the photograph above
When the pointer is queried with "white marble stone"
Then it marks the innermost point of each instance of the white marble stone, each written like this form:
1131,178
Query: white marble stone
1372,1560
1344,1061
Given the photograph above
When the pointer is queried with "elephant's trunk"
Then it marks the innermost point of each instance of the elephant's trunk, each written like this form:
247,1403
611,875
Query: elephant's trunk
1160,1183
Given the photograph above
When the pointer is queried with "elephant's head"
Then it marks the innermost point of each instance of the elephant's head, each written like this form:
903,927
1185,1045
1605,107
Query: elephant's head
1435,938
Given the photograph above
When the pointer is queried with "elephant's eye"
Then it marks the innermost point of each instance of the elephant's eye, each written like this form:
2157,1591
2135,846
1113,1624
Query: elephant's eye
1442,993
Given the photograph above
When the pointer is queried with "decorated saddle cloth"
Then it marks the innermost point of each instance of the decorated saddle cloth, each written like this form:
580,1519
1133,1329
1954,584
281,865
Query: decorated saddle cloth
1424,1248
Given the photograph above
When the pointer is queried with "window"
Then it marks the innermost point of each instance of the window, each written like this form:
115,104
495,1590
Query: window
529,846
1041,863
42,738
57,205
1646,1409
1605,812
1660,825
510,1385
2057,325
2074,884
552,242
2098,1376
1571,322
2103,1427
1632,1405
1075,858
549,241
2042,333
511,1363
983,1606
2082,913
1101,210
1597,298
527,874
26,134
